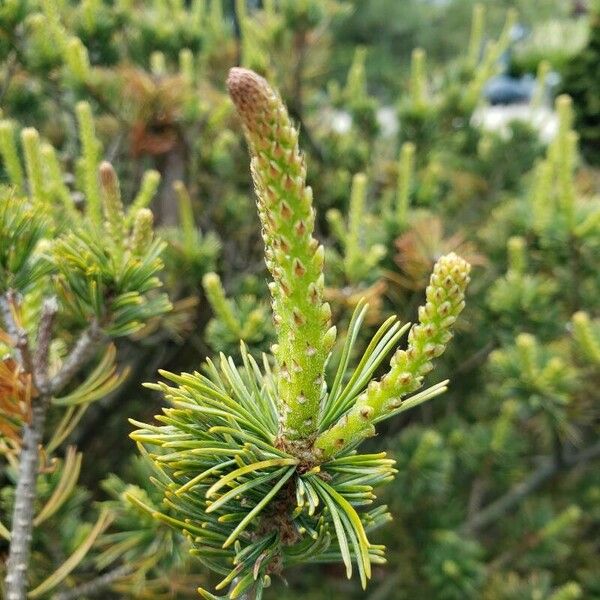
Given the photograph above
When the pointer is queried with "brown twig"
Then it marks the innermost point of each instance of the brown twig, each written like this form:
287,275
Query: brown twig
25,493
8,307
22,521
95,586
10,65
82,351
476,359
17,564
519,492
44,337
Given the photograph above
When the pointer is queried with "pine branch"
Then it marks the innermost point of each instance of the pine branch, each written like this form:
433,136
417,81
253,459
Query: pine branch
44,338
475,360
25,493
33,432
519,492
95,586
8,304
10,66
80,354
23,512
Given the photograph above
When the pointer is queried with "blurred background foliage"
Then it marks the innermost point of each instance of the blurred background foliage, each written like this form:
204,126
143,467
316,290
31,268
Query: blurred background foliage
498,490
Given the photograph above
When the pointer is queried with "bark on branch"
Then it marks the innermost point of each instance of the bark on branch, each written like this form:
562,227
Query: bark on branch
8,307
83,350
25,493
17,565
22,521
95,586
42,349
519,492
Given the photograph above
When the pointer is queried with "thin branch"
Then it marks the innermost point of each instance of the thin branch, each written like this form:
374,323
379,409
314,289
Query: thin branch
519,492
237,32
476,496
11,67
306,134
590,453
44,337
513,497
8,307
296,103
95,586
25,493
105,105
85,346
475,359
33,432
386,587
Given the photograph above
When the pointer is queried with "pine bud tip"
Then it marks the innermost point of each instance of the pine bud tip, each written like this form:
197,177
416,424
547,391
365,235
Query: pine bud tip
249,91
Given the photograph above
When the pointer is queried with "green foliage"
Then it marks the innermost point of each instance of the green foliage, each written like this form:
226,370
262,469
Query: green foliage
22,226
245,320
580,83
455,569
494,489
189,254
153,551
359,238
107,272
